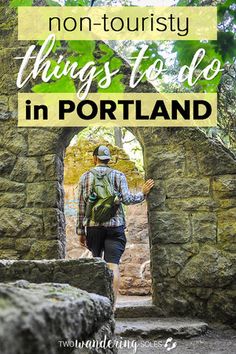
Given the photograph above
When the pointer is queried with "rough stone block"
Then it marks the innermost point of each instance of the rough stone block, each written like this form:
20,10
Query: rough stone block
9,186
10,65
91,275
12,200
16,223
13,105
7,161
192,204
169,260
204,226
210,268
138,253
45,249
51,142
187,187
157,199
5,114
38,212
7,243
209,156
171,299
9,253
45,195
227,225
54,224
224,186
229,247
226,203
132,269
38,169
53,167
147,328
14,141
27,169
221,307
8,20
191,163
168,163
35,318
169,227
24,244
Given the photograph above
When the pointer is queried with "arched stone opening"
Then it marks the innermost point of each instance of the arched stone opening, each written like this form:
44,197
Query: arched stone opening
128,158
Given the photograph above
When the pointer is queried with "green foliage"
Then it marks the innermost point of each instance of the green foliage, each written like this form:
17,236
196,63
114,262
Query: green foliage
16,3
82,47
152,53
224,8
76,2
51,3
62,85
52,67
189,3
116,85
107,53
84,51
185,52
224,49
57,45
225,46
115,63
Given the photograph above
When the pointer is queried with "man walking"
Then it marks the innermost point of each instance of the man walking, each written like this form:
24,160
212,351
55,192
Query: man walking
101,221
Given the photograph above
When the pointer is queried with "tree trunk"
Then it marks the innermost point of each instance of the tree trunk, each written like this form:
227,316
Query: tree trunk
118,137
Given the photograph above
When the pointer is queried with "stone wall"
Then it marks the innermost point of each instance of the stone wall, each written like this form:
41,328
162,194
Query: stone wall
192,221
91,275
135,262
191,209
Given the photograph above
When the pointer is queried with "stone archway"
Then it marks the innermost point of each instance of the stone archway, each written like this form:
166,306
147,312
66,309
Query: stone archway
191,210
135,277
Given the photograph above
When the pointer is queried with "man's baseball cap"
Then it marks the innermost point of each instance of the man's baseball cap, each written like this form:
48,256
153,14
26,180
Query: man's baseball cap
103,153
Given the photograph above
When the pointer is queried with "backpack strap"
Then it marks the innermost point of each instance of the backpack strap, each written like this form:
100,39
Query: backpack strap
96,173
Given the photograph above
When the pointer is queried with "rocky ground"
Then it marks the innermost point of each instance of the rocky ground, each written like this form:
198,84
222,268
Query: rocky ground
217,340
141,330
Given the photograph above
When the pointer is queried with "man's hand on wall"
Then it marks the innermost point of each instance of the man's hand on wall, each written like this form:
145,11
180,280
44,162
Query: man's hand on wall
82,240
148,185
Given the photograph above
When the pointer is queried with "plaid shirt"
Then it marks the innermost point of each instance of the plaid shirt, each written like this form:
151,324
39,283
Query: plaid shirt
120,185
